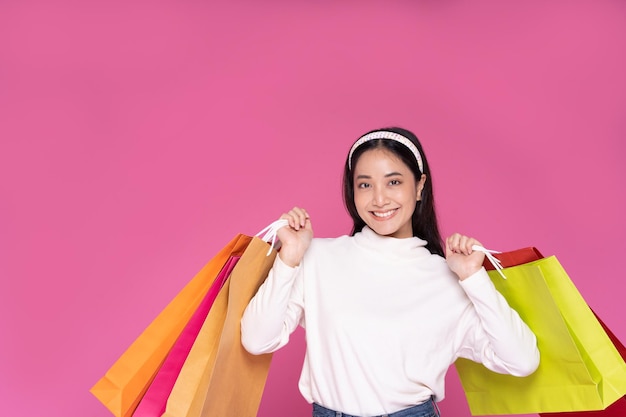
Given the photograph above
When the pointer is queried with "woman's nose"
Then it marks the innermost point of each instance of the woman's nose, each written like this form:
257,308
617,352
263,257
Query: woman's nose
380,198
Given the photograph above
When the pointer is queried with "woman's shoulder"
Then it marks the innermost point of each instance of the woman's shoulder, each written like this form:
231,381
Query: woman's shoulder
327,249
331,242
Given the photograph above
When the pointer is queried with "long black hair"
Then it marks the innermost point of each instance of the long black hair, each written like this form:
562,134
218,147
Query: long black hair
424,219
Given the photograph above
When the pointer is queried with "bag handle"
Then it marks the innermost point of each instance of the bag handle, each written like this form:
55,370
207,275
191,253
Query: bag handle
489,255
270,233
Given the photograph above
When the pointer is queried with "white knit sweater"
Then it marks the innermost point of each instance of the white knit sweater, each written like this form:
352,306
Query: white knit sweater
384,320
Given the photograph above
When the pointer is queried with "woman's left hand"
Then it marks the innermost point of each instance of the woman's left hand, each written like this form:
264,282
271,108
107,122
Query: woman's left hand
460,257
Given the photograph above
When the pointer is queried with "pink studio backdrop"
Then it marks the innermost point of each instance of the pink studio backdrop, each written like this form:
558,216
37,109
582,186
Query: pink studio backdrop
136,138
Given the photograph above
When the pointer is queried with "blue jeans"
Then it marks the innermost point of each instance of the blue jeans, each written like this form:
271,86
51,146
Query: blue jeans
426,409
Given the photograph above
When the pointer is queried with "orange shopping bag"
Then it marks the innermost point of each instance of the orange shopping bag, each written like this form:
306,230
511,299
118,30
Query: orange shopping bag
219,378
153,402
124,384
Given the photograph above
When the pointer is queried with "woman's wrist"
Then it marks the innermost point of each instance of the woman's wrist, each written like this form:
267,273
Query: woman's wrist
465,273
289,258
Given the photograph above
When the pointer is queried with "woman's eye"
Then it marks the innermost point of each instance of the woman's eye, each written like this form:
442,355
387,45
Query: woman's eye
394,182
363,185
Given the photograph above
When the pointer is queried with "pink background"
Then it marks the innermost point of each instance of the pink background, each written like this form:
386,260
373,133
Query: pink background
137,138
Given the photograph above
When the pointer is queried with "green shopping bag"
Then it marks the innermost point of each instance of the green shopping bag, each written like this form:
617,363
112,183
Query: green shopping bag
580,367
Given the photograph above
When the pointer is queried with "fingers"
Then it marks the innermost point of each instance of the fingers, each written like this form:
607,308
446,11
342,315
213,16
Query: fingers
297,237
458,243
297,218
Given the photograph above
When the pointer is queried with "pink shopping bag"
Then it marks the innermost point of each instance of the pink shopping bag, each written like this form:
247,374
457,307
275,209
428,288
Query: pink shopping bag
154,400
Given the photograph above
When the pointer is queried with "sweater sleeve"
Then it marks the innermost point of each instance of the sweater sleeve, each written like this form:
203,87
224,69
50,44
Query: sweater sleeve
275,311
493,333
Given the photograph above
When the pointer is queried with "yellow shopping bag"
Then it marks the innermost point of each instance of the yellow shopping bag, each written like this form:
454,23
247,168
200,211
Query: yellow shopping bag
580,367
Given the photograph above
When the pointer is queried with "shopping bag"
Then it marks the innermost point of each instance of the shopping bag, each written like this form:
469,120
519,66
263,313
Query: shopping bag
514,257
219,378
190,387
238,377
124,384
153,402
580,367
618,408
524,255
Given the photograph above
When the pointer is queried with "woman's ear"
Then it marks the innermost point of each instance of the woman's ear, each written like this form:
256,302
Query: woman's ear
420,187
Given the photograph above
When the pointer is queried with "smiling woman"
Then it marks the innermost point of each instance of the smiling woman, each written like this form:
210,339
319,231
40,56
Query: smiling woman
368,300
136,136
386,193
383,189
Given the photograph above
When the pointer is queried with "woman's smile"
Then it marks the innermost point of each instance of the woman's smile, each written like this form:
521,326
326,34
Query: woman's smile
384,215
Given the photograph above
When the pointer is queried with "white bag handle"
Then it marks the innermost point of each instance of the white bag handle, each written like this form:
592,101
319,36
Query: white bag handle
270,232
494,261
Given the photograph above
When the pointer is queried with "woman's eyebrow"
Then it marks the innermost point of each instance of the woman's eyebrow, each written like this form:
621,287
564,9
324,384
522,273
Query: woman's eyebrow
391,174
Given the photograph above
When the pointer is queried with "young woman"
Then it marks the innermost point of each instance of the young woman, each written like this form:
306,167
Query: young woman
386,310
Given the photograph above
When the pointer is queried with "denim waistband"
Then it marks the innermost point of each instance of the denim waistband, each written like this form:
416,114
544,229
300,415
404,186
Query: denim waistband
426,409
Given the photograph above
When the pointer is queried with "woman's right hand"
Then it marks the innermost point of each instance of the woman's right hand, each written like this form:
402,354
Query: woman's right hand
295,238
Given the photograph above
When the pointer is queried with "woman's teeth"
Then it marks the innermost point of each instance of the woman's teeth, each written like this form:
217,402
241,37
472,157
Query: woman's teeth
383,214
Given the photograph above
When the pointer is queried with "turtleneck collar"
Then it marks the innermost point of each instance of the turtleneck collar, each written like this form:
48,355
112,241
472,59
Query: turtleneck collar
391,246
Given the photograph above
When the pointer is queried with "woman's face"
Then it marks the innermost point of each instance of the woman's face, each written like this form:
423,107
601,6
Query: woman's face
386,192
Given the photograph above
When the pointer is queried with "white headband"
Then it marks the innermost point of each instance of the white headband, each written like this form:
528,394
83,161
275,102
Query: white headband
385,134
